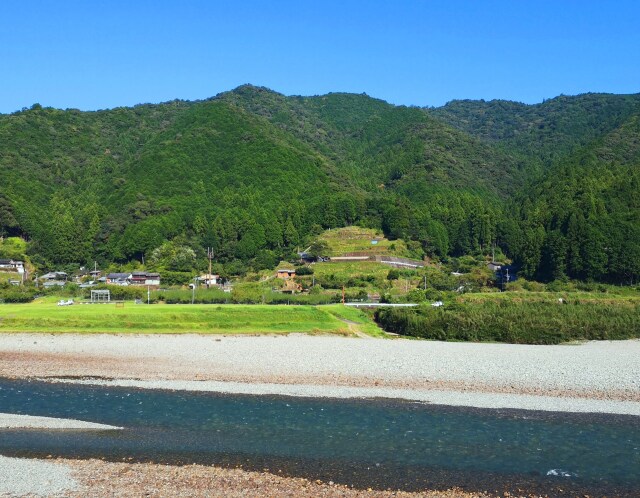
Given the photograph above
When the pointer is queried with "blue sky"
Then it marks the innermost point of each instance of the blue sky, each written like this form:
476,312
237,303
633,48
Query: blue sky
96,54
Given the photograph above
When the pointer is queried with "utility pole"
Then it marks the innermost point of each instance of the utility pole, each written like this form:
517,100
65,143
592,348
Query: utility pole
193,291
343,294
425,282
505,277
210,256
148,295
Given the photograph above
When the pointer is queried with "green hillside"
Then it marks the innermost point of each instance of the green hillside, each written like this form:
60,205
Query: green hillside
582,219
257,175
545,132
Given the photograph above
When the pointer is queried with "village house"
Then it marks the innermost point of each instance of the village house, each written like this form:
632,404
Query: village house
80,275
11,265
144,278
153,279
209,279
135,278
138,278
118,278
290,285
58,276
286,274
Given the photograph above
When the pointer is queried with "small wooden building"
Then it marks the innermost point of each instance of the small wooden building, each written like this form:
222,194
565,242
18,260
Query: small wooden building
286,274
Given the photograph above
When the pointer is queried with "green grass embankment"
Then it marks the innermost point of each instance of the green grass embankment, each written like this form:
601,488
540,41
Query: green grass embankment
46,316
358,318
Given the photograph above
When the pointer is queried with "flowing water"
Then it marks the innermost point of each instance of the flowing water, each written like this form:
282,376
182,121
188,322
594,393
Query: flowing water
377,443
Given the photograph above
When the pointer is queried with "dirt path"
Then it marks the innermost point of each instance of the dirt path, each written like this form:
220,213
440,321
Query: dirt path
354,328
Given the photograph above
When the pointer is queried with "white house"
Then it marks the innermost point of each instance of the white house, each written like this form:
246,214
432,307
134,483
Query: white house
12,265
209,279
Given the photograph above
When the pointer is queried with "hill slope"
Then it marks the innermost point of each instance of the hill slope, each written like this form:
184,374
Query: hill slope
255,174
545,132
582,219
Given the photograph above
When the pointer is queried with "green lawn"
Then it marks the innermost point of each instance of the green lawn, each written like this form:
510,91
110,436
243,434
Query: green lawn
46,316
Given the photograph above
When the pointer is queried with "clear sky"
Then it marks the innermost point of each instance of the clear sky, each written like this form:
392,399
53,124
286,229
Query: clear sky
96,54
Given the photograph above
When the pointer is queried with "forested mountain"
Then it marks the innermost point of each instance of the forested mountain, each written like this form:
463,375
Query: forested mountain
544,132
255,174
583,218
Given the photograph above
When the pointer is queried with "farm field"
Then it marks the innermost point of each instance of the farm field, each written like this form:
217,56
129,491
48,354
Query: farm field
46,316
358,239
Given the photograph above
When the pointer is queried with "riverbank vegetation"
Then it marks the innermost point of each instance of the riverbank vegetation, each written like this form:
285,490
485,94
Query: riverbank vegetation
523,318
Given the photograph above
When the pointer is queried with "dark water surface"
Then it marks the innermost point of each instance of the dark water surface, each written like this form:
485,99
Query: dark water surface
370,443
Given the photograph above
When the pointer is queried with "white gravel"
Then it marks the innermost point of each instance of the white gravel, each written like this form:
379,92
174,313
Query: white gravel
19,477
13,421
436,397
602,376
601,365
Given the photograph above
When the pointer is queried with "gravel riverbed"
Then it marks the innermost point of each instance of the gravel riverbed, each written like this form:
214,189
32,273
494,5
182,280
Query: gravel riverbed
97,478
594,376
13,421
25,477
606,370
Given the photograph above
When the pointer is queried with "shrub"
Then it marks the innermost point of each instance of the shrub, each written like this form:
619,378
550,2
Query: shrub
536,322
393,274
304,270
532,286
17,295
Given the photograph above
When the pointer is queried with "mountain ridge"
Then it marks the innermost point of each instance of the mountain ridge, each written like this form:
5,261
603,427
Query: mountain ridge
253,173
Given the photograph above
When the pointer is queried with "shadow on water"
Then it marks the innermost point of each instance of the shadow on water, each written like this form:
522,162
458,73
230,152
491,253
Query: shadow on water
364,443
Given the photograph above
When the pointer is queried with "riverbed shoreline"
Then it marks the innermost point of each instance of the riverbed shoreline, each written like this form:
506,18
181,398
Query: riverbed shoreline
95,477
604,370
17,421
592,377
472,399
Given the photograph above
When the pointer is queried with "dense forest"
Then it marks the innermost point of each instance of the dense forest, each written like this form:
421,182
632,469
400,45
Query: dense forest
256,175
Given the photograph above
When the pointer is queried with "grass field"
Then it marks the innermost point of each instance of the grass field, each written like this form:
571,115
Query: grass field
361,320
357,239
46,316
372,275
